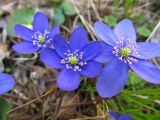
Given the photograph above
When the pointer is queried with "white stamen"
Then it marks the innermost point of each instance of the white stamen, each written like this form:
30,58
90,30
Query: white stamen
79,56
36,38
126,43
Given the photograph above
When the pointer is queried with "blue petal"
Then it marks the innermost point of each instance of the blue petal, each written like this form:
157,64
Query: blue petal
6,83
114,114
40,22
125,117
78,38
112,79
105,33
51,58
106,54
25,47
91,69
24,32
91,50
54,31
61,46
148,50
68,80
126,29
147,71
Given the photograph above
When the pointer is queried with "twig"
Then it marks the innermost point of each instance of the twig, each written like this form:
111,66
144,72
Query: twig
90,118
47,93
83,20
26,59
95,10
66,29
59,105
154,31
75,21
15,97
92,102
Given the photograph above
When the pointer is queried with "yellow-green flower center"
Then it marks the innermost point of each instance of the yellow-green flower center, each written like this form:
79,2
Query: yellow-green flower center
73,60
125,52
41,39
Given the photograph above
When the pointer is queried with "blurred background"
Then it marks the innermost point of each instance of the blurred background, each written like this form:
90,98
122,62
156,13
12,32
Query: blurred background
34,79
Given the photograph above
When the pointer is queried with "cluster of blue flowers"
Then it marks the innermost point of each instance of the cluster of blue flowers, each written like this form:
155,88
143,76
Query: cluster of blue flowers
79,57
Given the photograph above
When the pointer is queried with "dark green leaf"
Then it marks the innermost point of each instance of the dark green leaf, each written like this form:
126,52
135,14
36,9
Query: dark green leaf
134,79
68,8
59,17
5,106
144,31
110,20
20,16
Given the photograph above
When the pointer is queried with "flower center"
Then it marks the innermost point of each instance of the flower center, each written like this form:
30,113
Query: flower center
41,39
73,60
125,52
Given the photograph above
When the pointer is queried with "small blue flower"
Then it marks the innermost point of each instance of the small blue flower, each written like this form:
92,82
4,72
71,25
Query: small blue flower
75,59
122,53
37,38
117,116
6,83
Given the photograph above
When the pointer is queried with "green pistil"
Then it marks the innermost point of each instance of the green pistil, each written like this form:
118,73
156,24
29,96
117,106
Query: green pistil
125,52
73,60
41,39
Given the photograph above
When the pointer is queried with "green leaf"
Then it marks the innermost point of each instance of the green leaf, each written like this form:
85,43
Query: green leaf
57,1
144,31
110,20
21,16
1,13
68,8
5,107
128,4
134,79
143,92
59,17
116,3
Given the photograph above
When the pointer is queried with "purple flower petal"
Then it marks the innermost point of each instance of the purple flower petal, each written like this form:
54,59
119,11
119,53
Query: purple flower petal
68,80
91,69
106,54
147,71
51,58
125,117
112,79
54,31
78,38
126,29
148,50
24,32
91,50
40,22
114,114
6,83
61,46
105,33
25,47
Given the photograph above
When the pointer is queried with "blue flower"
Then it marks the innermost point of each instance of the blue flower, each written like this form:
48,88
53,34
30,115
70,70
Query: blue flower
75,59
122,53
6,83
117,116
37,38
